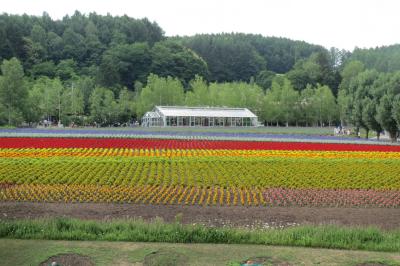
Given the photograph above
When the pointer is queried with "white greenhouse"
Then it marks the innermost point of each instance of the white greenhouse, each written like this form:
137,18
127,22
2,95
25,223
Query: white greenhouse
182,116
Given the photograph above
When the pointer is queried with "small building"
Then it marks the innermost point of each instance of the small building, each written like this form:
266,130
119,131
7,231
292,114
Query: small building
182,116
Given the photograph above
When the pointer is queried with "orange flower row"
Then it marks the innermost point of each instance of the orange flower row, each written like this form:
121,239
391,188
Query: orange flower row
193,195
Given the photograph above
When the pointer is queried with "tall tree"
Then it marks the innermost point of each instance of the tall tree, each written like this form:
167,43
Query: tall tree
369,116
198,94
125,105
159,91
396,110
384,116
307,106
102,107
289,100
73,104
13,92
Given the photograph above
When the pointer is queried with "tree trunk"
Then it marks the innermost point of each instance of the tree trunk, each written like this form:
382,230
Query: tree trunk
378,135
367,133
9,116
393,136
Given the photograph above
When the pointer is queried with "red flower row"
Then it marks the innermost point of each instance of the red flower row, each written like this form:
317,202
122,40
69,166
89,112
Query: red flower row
185,144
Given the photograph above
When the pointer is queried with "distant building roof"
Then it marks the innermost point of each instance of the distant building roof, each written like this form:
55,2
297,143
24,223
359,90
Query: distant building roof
152,114
205,111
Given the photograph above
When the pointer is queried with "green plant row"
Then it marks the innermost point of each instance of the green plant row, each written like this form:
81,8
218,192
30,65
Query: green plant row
381,174
327,236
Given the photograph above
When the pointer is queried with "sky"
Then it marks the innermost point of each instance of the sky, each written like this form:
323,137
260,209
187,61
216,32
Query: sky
343,24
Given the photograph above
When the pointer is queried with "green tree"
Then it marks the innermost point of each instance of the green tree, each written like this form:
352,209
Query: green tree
51,103
13,91
281,102
317,69
325,105
126,105
396,110
350,70
74,45
307,105
369,117
66,69
198,94
159,91
264,79
289,100
72,105
271,105
102,107
123,64
32,109
384,116
172,59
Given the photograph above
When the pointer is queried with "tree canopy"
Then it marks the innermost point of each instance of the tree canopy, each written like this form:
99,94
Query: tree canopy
110,70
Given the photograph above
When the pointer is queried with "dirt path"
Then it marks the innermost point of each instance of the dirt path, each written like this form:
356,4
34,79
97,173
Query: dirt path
216,216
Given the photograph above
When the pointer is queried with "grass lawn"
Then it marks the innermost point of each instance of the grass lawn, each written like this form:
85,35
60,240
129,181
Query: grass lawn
32,252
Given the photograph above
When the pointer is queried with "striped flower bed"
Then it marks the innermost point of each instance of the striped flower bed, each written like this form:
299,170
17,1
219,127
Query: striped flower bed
199,172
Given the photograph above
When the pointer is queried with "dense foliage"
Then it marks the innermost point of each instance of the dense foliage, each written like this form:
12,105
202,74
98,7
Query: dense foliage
105,70
242,56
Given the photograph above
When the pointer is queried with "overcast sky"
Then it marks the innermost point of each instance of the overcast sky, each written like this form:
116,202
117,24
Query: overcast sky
339,23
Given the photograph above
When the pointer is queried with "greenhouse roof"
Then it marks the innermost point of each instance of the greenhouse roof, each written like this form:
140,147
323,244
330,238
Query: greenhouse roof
152,114
205,111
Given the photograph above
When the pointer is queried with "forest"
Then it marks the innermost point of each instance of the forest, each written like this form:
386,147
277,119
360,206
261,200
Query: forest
103,70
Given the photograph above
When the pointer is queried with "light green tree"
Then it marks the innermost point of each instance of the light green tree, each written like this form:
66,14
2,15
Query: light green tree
159,91
307,105
102,107
72,105
325,105
198,95
288,102
125,105
13,90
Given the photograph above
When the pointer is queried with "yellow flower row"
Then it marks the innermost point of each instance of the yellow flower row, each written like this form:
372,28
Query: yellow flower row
261,172
171,153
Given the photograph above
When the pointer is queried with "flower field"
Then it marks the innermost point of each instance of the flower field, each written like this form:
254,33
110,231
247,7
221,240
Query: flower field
199,172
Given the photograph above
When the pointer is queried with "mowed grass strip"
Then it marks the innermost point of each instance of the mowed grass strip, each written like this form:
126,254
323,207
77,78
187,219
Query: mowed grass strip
33,252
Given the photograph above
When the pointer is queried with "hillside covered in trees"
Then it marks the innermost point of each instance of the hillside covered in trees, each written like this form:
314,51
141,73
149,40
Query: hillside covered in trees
107,70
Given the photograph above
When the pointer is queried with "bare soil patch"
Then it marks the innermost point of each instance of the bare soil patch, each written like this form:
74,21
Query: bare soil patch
69,259
165,258
372,264
265,261
211,215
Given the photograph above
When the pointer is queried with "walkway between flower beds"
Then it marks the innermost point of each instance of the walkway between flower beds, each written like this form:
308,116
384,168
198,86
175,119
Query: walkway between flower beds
213,215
